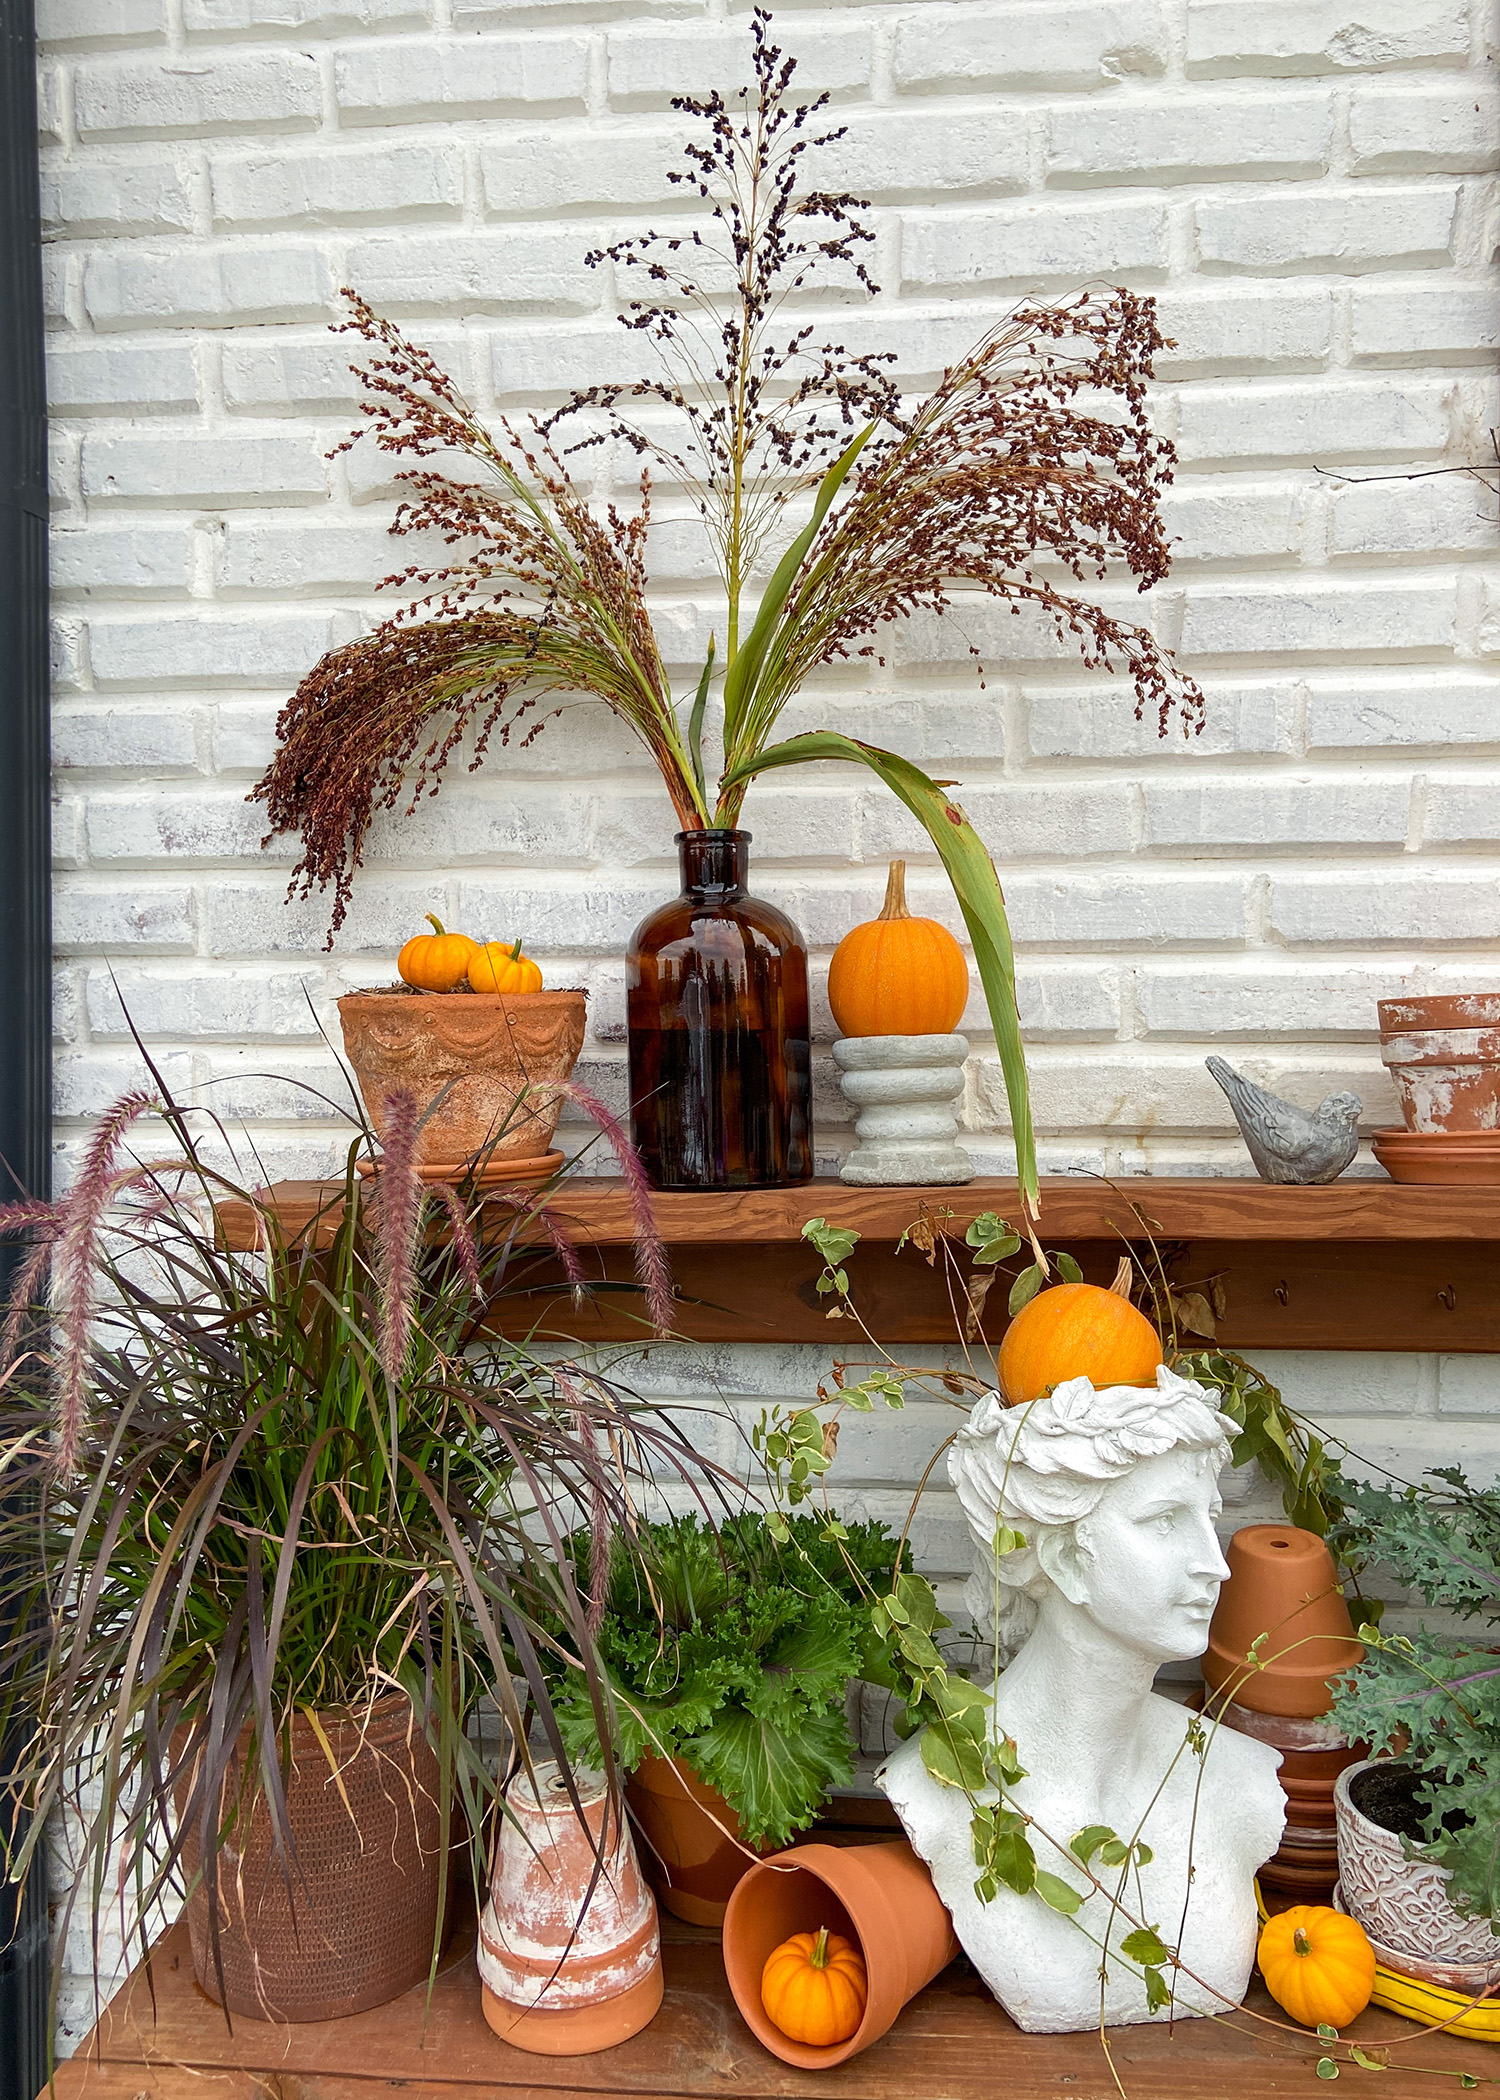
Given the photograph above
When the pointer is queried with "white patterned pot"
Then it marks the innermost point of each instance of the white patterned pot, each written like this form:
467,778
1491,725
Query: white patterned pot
1402,1903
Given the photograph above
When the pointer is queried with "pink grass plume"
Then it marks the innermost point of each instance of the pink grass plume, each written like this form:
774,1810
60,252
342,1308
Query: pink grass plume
398,1220
652,1267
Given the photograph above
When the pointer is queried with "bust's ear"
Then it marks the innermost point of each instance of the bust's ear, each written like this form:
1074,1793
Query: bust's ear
1064,1560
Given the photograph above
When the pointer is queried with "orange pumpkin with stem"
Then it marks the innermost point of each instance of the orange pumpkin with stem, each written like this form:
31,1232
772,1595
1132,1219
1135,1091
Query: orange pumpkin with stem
499,966
1076,1330
814,1988
1318,1964
898,975
436,961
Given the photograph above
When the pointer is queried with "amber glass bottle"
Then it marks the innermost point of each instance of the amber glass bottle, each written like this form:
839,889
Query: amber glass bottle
720,1068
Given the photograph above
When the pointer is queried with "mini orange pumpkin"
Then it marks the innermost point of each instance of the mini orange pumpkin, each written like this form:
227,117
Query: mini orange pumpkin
1076,1330
897,975
814,1988
436,961
1319,1965
499,967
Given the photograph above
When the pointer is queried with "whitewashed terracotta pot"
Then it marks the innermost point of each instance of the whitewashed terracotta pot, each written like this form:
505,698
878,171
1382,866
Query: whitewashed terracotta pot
1402,1903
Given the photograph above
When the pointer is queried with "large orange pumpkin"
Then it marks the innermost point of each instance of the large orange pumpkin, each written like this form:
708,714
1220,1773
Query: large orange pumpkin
897,975
814,1988
436,961
1076,1330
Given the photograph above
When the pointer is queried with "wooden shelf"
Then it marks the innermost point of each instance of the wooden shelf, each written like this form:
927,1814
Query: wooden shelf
952,2040
1355,1265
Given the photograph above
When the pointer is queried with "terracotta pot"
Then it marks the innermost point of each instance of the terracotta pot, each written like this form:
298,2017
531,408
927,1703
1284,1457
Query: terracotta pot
879,1896
359,1922
1402,1903
1444,1056
1445,1158
1281,1584
569,1952
487,1048
692,1845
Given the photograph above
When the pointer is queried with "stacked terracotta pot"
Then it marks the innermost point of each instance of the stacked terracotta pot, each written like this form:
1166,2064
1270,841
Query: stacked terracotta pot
1283,1594
1443,1055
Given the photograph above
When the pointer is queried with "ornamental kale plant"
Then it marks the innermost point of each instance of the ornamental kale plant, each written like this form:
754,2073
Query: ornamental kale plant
1033,462
1436,1696
731,1649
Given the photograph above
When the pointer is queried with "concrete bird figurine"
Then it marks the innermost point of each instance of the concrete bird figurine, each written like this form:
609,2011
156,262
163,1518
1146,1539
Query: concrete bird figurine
1289,1143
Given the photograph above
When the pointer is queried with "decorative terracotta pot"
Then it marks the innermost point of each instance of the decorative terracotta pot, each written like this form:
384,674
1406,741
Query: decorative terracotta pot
1445,1158
569,1952
1282,1585
1402,1903
355,1920
694,1850
500,1055
1444,1056
879,1896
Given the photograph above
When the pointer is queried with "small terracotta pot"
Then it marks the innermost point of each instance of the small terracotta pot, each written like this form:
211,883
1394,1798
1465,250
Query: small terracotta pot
1403,1903
692,1845
569,1952
488,1049
1281,1584
1442,1158
879,1896
1444,1056
354,1922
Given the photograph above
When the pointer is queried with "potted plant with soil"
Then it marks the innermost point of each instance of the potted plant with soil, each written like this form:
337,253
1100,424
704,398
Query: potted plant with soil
1034,461
269,1528
1419,1827
727,1654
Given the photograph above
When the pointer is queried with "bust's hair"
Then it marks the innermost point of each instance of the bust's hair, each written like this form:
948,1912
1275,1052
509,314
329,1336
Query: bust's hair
1045,1465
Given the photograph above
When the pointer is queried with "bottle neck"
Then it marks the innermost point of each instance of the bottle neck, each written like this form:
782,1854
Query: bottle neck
713,863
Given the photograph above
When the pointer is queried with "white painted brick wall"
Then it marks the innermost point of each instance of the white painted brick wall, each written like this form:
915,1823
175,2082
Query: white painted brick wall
1305,184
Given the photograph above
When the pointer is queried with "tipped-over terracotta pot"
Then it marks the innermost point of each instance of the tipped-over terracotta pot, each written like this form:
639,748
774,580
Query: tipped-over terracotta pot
879,1896
691,1842
1444,1056
1282,1585
500,1055
569,1952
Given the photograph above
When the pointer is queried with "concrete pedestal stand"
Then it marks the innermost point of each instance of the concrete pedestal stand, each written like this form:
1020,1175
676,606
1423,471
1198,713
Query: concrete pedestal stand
905,1088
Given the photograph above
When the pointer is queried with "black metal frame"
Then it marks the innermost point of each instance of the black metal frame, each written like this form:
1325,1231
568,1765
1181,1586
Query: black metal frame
25,858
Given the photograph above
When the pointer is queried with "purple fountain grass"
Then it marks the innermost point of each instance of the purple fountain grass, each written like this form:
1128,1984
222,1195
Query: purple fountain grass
465,1243
398,1220
567,1254
651,1265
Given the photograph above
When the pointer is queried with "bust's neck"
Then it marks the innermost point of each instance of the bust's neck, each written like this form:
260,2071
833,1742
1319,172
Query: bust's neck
1075,1693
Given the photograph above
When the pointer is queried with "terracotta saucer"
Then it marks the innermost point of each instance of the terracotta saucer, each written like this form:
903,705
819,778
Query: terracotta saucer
1445,1157
495,1173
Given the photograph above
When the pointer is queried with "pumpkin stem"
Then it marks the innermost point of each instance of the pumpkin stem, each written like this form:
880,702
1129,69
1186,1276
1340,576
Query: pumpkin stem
1124,1278
515,953
819,1955
436,923
1300,1941
895,893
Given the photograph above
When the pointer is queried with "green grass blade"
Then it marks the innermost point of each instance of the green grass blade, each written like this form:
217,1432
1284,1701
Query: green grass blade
976,886
695,722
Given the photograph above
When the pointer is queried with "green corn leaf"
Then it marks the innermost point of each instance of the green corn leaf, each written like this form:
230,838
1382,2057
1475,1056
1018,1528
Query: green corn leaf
975,885
695,720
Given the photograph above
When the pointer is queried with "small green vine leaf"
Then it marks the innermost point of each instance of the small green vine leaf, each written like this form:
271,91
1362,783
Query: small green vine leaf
1058,1894
1327,2068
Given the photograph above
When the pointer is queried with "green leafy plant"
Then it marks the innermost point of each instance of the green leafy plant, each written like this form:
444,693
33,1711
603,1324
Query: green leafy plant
732,1649
1033,462
1435,1697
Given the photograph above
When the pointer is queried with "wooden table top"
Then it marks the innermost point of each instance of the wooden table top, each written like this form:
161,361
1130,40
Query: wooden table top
951,2043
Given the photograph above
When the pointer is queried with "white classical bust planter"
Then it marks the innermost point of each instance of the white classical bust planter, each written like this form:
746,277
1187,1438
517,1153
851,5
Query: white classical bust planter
1116,1493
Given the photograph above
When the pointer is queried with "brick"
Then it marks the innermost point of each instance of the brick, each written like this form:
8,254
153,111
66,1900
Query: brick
1411,325
1174,139
573,916
343,187
577,164
903,153
89,915
1414,711
1468,1385
1346,1381
1243,329
305,1089
298,561
1330,419
405,82
96,24
1101,724
530,270
207,468
1442,128
126,98
649,65
65,655
280,376
214,288
89,1083
1089,910
1270,816
51,100
268,1005
120,378
1064,821
1323,36
1402,614
1253,1002
155,739
1398,911
198,824
1452,515
246,18
1233,524
194,650
476,821
129,560
554,361
1068,46
1065,1004
97,196
1023,242
253,918
1110,1091
1462,812
1351,230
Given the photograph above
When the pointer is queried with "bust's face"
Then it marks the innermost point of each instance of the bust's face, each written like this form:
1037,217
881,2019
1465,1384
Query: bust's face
1149,1562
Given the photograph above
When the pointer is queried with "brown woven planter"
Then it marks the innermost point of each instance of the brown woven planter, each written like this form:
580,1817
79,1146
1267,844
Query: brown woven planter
489,1049
358,1924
